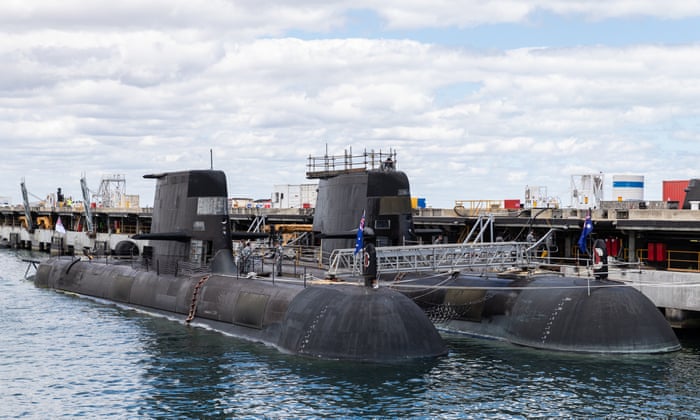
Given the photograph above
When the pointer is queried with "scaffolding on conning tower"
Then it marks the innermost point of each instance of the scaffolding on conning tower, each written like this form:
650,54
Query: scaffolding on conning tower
329,166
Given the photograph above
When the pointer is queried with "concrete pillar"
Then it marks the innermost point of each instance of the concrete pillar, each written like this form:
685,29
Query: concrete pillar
632,253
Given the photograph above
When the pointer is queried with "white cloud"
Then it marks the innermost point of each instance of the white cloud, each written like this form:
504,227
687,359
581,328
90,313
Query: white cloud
131,88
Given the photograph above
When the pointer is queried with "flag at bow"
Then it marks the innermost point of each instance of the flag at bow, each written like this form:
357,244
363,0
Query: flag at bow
587,229
359,242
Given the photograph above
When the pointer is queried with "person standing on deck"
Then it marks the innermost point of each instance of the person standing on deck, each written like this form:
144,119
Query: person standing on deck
246,258
279,254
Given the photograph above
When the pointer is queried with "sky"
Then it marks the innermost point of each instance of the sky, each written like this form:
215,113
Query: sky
479,99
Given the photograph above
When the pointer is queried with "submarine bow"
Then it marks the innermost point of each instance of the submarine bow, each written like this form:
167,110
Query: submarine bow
608,317
341,322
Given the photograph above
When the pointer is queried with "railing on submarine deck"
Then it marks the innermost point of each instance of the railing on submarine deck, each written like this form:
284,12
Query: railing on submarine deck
482,255
172,264
396,259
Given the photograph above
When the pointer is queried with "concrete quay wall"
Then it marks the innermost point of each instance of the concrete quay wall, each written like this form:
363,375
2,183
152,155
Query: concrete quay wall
41,239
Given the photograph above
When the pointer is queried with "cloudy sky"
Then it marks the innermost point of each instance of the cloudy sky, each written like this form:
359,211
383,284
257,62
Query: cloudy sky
479,99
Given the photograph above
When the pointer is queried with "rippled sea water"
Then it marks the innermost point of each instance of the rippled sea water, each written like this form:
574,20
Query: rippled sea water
63,356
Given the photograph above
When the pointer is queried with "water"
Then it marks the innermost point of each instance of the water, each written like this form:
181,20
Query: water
62,356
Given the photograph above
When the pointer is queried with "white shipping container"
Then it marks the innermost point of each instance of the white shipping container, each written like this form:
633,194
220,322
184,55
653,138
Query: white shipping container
294,196
309,194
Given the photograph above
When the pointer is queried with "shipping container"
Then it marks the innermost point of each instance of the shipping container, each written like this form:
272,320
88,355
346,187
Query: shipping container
656,252
511,203
651,252
675,191
309,195
294,196
661,252
417,202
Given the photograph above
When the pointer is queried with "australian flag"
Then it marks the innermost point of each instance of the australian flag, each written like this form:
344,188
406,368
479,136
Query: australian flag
359,242
587,229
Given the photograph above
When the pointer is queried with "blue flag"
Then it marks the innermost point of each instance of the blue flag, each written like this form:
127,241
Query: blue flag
359,242
587,229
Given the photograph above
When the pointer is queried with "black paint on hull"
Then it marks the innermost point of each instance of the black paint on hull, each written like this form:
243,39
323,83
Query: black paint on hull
190,232
547,312
345,322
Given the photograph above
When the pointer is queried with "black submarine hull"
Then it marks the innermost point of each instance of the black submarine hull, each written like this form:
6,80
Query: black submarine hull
339,322
191,233
546,311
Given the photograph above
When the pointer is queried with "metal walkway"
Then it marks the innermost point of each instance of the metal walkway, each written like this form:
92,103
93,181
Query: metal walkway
448,257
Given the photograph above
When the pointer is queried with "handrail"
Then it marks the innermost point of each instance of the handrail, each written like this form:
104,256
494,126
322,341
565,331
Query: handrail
482,225
330,165
447,257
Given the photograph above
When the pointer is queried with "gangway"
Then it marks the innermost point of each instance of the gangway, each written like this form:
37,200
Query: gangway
482,223
258,225
446,257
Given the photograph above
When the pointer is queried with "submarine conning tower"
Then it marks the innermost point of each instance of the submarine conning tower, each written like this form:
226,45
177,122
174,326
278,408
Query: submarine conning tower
351,186
190,219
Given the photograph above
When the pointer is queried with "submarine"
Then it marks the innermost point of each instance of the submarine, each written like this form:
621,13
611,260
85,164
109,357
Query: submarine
187,272
526,306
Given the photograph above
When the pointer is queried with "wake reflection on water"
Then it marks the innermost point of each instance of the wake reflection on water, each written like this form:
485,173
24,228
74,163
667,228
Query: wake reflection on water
63,356
200,374
525,382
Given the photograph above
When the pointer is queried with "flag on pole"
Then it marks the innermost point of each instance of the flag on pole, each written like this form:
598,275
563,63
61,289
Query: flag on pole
59,226
587,229
359,242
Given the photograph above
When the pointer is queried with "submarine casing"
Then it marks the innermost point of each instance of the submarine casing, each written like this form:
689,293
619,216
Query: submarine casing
345,322
608,317
550,312
554,313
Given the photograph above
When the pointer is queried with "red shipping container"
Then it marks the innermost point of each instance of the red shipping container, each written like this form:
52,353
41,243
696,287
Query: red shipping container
616,245
675,191
651,252
660,252
512,204
612,245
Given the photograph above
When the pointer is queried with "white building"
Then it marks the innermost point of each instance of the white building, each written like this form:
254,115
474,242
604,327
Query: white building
289,196
587,190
